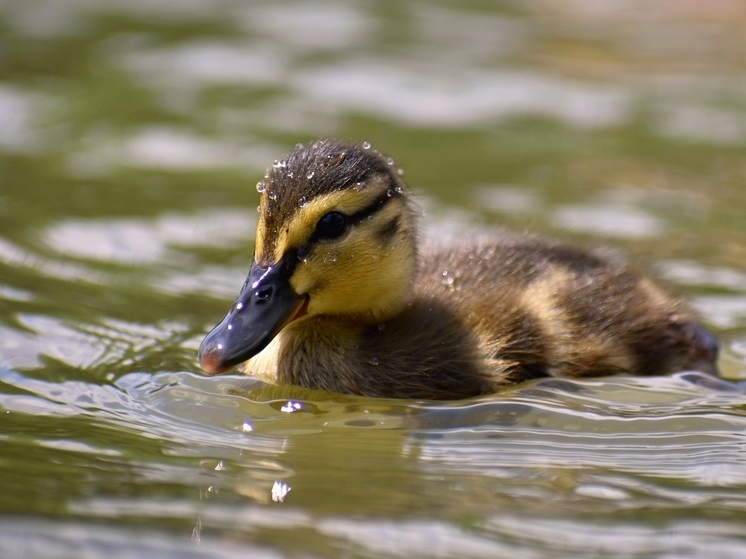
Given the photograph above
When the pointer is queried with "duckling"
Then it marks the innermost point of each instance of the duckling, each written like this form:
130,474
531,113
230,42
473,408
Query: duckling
343,295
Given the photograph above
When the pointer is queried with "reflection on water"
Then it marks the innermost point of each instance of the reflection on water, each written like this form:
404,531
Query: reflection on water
131,135
608,220
132,241
17,109
162,148
438,96
550,457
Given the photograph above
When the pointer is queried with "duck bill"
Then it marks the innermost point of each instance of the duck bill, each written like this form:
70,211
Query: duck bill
265,305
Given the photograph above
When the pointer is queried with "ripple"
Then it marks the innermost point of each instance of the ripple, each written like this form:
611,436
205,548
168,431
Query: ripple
13,294
577,447
609,220
688,272
220,282
168,149
722,311
433,96
508,199
554,537
467,36
140,241
18,109
80,345
46,336
319,26
698,123
203,62
69,17
18,257
59,540
656,427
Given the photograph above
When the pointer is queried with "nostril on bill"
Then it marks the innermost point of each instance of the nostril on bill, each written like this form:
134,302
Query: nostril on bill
263,294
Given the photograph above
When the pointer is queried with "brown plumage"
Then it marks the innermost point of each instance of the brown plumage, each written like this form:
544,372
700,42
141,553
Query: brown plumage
343,296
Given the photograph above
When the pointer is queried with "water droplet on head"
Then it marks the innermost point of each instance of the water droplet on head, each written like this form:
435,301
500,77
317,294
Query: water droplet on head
272,195
310,175
279,164
335,159
400,172
302,254
359,186
260,186
330,257
259,209
382,326
447,280
302,201
389,193
366,145
471,256
291,175
390,160
399,190
298,146
373,361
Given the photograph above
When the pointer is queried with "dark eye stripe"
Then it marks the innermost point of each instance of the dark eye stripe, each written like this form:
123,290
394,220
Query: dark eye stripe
386,233
376,206
354,219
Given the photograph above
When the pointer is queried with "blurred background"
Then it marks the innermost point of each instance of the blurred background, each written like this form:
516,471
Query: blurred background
132,134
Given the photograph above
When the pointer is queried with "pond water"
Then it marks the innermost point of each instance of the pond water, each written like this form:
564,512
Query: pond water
131,135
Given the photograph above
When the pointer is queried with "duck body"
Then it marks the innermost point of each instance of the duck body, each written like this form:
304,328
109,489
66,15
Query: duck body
344,296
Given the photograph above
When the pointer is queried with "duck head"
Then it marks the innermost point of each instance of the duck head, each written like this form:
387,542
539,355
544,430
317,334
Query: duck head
335,237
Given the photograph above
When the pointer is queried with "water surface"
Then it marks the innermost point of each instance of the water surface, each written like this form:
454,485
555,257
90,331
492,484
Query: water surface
131,135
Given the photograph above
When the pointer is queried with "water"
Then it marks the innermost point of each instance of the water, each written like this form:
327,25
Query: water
131,135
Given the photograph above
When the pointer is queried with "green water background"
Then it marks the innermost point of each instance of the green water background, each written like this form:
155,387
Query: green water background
131,135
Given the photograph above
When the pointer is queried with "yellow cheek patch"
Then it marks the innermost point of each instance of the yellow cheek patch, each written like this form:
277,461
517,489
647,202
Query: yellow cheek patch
364,273
301,281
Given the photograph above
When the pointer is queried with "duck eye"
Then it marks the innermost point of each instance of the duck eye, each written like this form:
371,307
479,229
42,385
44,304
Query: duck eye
331,226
